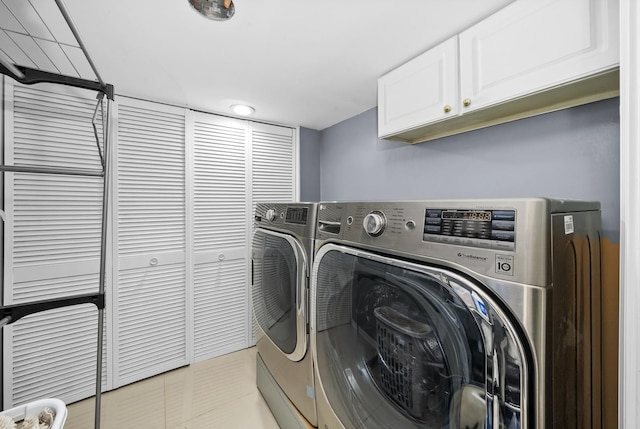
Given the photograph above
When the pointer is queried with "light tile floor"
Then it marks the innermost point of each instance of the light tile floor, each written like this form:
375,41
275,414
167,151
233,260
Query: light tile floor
217,393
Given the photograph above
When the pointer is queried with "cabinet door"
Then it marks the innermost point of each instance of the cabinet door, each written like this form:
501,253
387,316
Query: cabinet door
220,206
150,299
532,45
421,91
51,243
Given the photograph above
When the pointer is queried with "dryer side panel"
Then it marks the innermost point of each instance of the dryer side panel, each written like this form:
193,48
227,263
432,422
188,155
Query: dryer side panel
574,329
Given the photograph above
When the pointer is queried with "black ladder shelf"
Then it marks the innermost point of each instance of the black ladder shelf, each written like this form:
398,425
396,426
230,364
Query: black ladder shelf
26,75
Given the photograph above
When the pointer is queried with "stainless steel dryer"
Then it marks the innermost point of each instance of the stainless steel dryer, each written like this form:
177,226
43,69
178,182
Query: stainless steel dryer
282,251
457,314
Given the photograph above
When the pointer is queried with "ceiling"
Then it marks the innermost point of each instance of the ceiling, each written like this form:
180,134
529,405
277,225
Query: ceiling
297,62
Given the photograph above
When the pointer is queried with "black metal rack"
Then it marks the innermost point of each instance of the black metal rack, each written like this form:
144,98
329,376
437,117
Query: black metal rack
26,75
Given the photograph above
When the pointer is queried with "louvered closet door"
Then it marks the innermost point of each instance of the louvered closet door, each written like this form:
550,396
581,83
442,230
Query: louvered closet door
151,294
220,235
273,163
273,168
51,243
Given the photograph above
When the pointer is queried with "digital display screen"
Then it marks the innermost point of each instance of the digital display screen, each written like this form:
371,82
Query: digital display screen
297,215
467,215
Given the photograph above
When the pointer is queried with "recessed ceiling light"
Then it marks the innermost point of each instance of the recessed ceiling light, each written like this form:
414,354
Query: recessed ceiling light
242,109
218,10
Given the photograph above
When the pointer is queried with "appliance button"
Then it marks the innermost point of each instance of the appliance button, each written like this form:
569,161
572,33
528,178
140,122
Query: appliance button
433,213
431,237
503,225
503,245
483,243
432,229
503,215
503,235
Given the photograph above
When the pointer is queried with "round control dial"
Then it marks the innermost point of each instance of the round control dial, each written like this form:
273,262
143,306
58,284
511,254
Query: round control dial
374,223
271,215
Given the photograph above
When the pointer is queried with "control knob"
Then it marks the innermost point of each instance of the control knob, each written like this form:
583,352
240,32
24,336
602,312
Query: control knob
271,215
374,223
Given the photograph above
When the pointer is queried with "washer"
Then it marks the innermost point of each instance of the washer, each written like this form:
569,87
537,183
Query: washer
457,314
282,255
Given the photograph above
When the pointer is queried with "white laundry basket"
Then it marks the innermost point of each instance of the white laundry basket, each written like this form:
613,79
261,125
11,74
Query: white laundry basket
34,408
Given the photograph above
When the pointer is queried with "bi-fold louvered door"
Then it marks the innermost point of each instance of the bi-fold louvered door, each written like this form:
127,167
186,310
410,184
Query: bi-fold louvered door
273,163
150,270
183,227
51,243
220,192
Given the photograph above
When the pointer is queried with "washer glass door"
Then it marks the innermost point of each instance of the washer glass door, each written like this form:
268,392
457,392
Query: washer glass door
279,277
398,346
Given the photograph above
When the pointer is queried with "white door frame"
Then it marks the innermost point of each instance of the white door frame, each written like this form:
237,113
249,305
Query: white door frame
629,360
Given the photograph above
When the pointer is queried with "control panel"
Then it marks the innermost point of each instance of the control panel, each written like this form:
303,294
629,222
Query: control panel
297,215
298,219
292,215
479,236
494,229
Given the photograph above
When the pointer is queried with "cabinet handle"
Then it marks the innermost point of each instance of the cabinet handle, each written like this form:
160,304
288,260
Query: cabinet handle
466,102
447,109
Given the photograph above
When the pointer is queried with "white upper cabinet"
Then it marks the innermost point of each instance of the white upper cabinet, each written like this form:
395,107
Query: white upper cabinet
533,56
422,90
533,45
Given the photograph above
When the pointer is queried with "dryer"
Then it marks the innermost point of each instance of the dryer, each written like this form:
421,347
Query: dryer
282,254
457,314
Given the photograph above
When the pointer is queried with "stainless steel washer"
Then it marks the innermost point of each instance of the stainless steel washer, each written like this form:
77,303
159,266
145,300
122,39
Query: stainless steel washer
457,314
282,254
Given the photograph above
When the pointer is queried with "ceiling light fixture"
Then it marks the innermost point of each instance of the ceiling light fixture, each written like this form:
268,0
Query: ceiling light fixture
218,10
242,109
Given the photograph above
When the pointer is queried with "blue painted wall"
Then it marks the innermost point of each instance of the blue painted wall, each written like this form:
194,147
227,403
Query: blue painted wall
309,165
571,154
